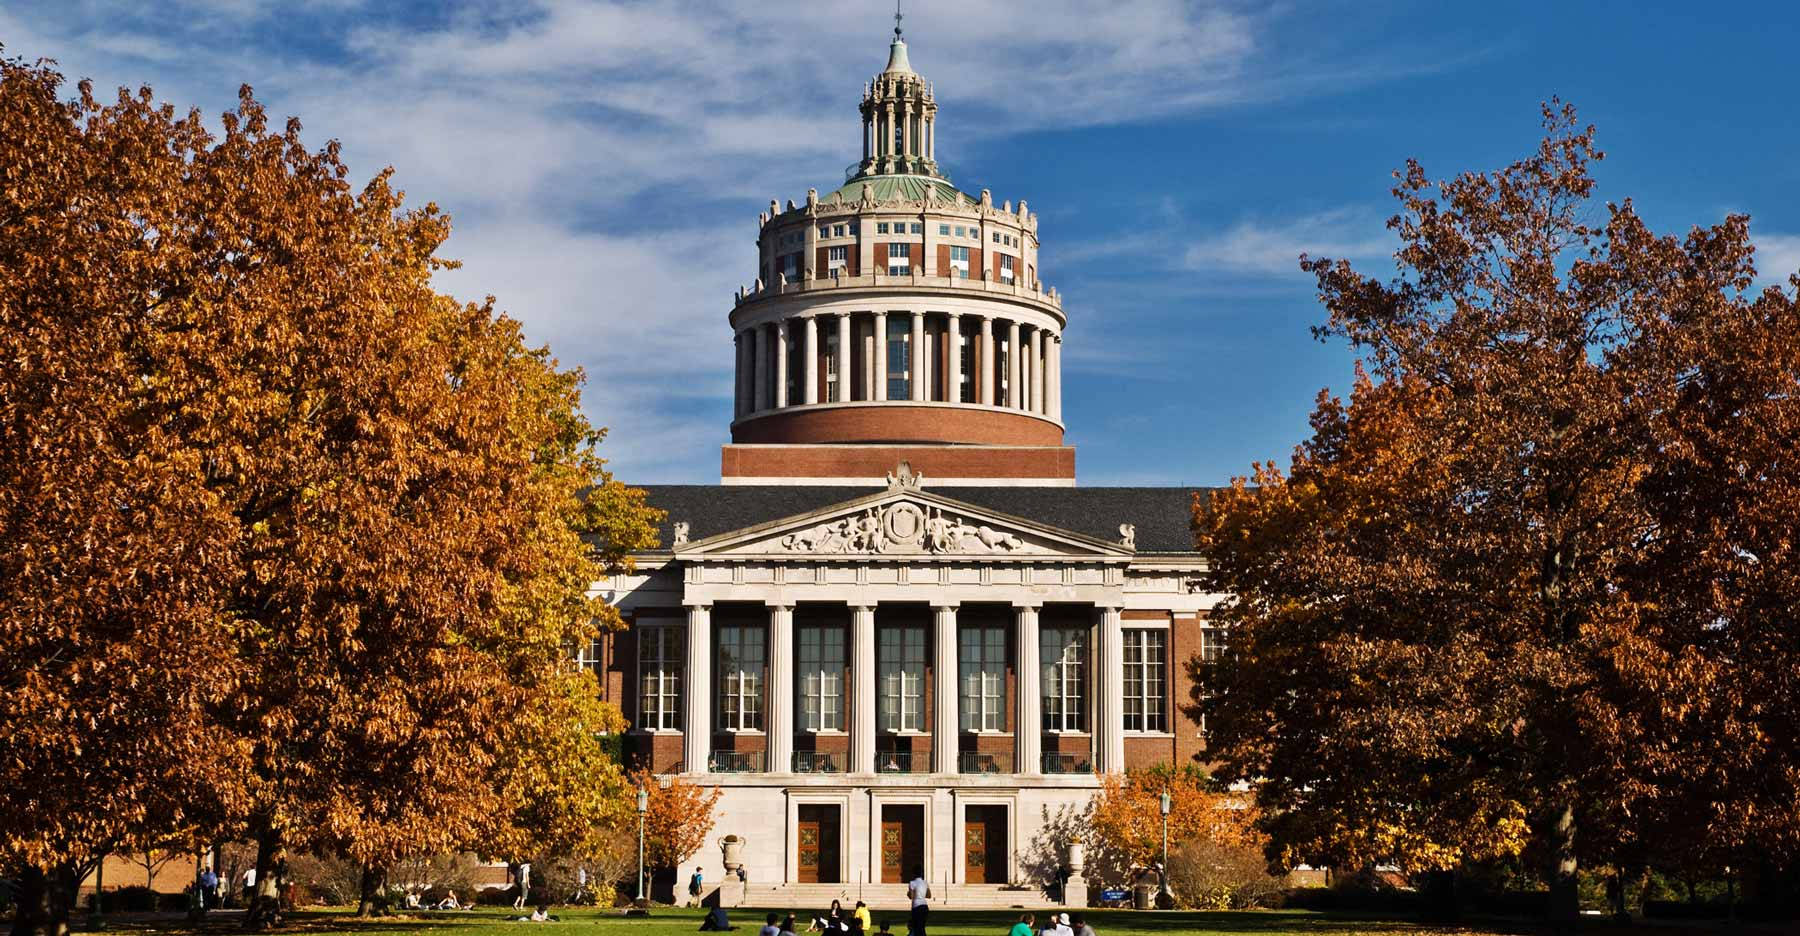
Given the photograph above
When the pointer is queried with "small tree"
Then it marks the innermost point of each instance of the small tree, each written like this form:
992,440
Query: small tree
679,820
1127,818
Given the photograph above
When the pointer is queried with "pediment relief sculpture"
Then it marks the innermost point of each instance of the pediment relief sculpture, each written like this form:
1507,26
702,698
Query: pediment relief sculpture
905,527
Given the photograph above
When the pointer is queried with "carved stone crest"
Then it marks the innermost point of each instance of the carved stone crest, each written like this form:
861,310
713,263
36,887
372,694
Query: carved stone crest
903,527
903,479
681,532
1128,536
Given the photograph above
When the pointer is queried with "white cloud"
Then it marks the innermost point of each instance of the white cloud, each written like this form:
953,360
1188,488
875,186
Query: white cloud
1777,257
1273,247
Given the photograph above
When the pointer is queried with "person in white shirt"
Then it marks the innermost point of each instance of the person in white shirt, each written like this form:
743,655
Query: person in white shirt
1059,926
524,885
920,892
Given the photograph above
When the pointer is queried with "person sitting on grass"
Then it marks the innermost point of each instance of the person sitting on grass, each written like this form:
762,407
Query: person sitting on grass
448,903
1026,926
1080,925
787,926
717,922
771,928
540,915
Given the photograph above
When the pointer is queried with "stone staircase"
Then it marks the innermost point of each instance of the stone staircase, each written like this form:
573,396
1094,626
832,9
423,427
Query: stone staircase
806,899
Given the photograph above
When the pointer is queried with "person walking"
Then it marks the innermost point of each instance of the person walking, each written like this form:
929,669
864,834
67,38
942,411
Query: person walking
524,885
919,890
696,885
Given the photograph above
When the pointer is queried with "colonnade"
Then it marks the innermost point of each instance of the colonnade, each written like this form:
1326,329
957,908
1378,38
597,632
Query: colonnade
1106,689
1016,365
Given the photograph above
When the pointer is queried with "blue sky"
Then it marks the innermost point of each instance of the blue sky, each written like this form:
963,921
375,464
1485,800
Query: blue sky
605,161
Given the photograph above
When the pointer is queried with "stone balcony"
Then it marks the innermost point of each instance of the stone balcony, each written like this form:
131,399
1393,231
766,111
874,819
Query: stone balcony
1031,294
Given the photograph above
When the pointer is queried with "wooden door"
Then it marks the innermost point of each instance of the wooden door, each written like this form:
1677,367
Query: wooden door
902,842
818,845
984,845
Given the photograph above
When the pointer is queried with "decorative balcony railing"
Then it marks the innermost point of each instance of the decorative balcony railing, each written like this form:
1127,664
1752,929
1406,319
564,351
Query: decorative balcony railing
827,279
1068,764
899,762
736,762
974,762
816,762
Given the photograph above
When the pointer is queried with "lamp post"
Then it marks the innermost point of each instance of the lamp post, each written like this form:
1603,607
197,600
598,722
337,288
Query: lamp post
643,806
1166,804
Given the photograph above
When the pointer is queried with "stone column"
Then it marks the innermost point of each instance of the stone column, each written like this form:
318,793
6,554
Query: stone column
881,365
1109,724
1014,399
953,337
945,726
810,372
918,357
737,383
862,679
1028,734
780,721
781,363
696,742
760,392
845,378
987,361
1056,377
1037,370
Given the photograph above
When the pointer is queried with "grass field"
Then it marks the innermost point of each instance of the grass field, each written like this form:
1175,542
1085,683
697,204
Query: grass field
671,922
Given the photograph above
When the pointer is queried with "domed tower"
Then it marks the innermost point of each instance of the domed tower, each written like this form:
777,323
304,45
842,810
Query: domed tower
898,318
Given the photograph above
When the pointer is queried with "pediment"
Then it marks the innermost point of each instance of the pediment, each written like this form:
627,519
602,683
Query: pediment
902,523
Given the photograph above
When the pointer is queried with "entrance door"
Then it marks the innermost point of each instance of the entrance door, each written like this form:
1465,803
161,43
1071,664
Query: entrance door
818,836
984,845
902,842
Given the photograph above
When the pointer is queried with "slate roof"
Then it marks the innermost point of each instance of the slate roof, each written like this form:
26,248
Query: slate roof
1159,513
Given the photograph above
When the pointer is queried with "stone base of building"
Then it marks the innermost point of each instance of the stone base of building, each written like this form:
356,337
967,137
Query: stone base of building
869,465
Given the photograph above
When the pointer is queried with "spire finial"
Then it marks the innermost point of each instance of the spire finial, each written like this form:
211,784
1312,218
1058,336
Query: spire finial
897,18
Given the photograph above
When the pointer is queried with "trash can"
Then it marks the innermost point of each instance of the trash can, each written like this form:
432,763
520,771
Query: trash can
1143,897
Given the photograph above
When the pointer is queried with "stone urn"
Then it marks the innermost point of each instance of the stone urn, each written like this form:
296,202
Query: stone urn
1077,857
732,849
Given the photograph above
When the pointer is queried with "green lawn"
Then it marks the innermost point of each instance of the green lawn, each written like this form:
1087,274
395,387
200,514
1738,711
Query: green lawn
670,922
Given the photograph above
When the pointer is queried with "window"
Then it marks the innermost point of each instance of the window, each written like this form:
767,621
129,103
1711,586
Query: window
821,678
828,345
943,230
996,237
1144,680
964,349
881,227
790,266
901,651
959,262
918,228
1212,644
899,259
589,656
824,230
962,231
740,678
983,658
837,230
899,356
1063,655
1006,268
855,227
660,660
837,259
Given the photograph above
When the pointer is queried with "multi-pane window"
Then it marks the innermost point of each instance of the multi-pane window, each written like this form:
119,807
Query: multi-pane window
899,357
837,259
822,678
899,259
982,654
1212,644
881,227
740,664
964,349
824,230
837,230
943,230
918,228
1063,655
959,262
589,656
828,343
900,653
660,660
1144,710
790,265
1006,268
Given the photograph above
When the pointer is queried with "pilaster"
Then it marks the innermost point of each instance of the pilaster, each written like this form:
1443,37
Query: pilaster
696,744
863,678
944,728
780,722
1109,726
1028,733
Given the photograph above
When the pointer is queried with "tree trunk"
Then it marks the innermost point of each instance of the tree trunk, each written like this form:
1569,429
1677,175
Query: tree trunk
1565,898
45,901
265,904
372,880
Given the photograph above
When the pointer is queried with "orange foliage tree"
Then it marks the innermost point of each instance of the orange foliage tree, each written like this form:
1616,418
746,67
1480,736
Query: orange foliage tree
1528,590
296,543
680,818
1127,819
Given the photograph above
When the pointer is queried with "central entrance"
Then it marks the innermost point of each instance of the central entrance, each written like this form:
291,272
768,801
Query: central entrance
818,845
902,842
984,845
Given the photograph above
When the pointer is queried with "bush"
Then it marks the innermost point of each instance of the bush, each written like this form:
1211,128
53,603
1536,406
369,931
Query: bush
134,899
1206,875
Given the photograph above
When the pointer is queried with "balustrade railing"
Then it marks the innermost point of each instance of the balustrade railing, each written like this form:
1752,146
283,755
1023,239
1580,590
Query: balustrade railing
1067,764
900,762
816,762
975,762
736,762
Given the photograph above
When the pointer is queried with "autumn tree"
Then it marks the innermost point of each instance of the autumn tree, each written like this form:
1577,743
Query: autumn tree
295,531
1127,817
679,819
1484,612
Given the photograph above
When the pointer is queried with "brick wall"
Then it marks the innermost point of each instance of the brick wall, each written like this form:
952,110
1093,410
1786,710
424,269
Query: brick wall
898,422
749,462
